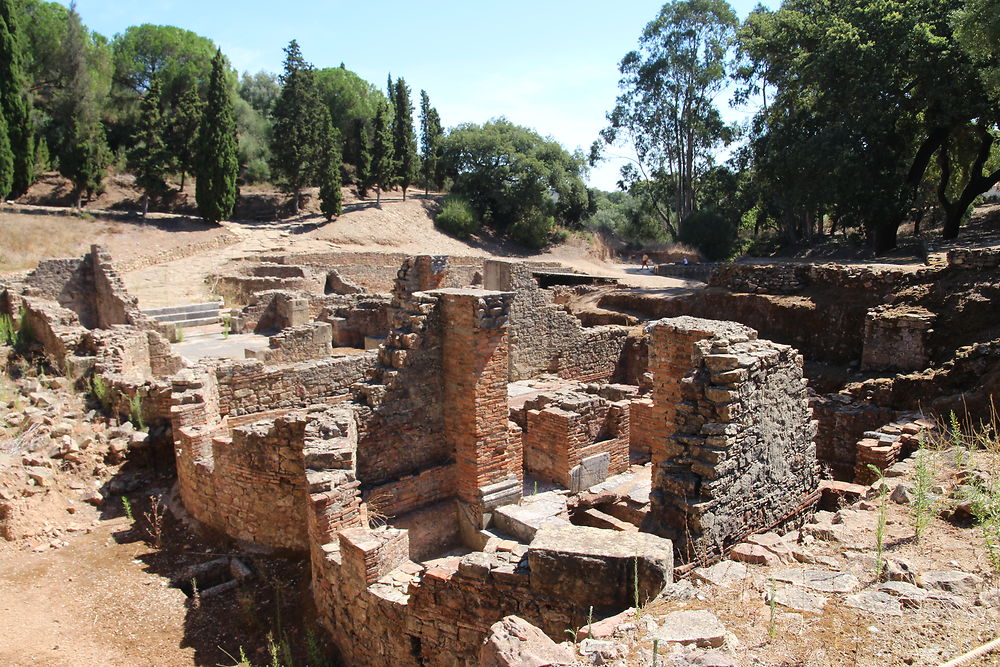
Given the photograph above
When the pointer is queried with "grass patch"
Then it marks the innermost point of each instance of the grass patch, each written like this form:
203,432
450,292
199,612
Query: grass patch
25,240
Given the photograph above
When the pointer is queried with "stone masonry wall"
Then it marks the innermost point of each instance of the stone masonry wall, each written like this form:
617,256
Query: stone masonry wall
547,339
734,454
897,338
301,343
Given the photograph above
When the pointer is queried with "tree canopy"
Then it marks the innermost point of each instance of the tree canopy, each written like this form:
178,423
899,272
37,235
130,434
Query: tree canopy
215,189
514,179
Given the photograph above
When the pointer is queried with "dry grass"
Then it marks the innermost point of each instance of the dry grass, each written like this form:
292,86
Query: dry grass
27,239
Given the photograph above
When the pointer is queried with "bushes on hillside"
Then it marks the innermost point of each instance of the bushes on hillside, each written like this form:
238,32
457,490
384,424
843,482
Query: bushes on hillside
457,217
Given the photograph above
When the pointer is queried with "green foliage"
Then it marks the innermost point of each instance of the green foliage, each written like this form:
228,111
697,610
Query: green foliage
100,391
254,149
8,332
175,57
296,143
84,155
149,158
883,512
922,500
350,100
183,124
330,194
457,217
822,65
514,179
127,506
666,110
364,164
260,91
431,135
135,411
712,233
6,160
215,190
383,166
404,144
14,104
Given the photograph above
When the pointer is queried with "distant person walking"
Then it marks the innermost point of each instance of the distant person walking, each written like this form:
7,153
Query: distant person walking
645,262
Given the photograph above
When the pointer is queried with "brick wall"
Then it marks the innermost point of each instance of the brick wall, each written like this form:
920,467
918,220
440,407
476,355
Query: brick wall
897,338
301,343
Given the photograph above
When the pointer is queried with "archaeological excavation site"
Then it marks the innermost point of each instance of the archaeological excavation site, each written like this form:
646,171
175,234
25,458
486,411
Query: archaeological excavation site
489,461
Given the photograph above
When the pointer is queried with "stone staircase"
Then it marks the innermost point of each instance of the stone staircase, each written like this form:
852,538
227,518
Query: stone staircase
190,315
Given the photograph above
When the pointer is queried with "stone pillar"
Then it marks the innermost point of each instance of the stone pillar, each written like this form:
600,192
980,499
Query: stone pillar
475,371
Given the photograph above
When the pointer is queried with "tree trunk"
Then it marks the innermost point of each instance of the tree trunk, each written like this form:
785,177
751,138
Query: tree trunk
183,175
884,237
977,185
145,205
378,195
295,202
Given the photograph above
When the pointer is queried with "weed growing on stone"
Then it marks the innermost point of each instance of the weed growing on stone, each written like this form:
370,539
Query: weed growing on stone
179,334
99,389
195,594
227,322
772,604
656,652
8,334
922,499
135,411
241,661
590,622
128,509
314,653
883,510
635,588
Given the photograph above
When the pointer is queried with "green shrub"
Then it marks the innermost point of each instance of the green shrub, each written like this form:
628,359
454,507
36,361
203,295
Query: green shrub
457,217
533,230
712,233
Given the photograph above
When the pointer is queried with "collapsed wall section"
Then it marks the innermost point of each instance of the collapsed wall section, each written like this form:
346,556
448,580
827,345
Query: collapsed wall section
734,451
545,338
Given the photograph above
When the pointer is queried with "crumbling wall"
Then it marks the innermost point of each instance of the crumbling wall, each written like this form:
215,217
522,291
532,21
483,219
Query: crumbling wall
576,439
897,338
382,609
734,453
841,422
68,282
547,339
301,343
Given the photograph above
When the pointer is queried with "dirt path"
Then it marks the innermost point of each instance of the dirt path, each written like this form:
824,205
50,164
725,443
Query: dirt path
90,603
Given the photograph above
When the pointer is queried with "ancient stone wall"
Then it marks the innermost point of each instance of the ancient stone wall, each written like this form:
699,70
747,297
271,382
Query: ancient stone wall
974,258
734,453
897,338
841,422
547,339
248,387
301,343
68,282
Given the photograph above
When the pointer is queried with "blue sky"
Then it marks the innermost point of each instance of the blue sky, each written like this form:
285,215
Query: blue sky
552,66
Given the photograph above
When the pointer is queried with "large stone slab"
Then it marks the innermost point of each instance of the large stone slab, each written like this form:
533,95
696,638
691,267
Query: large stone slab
798,599
723,573
523,520
593,566
820,580
875,602
700,627
591,471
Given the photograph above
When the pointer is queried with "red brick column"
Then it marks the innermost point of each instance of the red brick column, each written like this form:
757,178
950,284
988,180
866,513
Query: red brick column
475,370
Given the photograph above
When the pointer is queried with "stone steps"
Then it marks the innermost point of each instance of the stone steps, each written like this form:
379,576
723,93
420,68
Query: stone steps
186,316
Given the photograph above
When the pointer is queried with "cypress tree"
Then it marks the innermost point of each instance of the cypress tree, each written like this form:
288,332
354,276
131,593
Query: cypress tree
183,132
148,157
330,195
296,142
364,165
6,161
404,145
13,99
382,162
430,140
218,166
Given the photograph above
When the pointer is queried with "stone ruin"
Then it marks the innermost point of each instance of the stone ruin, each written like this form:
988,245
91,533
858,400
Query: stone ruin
450,455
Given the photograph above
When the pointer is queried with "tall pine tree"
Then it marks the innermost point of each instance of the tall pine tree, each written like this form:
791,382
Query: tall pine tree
296,142
430,141
84,155
383,166
218,166
14,103
330,195
148,158
404,144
